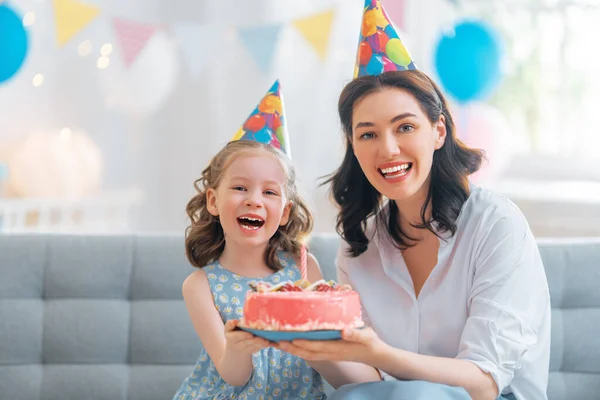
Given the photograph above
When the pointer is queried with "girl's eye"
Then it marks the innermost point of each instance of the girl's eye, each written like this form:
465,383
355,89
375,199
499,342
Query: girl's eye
406,128
271,192
367,136
240,188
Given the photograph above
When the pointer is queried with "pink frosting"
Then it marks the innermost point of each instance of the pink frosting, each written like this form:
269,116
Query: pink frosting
302,311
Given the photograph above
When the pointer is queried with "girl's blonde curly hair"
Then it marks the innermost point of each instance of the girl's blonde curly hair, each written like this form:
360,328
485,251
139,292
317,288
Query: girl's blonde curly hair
204,238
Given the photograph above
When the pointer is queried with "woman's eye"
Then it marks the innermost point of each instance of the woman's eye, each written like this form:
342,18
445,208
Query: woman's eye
406,128
367,135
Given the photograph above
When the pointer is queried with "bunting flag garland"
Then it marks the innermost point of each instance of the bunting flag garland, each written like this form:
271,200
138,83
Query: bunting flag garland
198,43
71,17
316,29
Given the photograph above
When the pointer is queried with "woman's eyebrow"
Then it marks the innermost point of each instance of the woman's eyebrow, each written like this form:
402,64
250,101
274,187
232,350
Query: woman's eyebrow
402,116
395,119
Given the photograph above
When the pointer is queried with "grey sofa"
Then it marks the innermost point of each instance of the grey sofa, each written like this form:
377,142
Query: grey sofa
102,318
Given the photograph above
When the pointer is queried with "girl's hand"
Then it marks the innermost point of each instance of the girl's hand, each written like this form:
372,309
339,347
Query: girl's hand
242,341
359,345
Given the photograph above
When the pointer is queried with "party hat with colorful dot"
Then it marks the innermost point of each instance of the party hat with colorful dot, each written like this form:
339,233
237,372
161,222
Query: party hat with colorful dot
267,124
379,46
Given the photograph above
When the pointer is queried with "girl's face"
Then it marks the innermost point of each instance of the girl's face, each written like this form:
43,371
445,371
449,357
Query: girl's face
394,142
250,199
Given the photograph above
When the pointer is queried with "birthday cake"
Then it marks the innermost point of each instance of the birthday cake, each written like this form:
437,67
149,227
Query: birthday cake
301,306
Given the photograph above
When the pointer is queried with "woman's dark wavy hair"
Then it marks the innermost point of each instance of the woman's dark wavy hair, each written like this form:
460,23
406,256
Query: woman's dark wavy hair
204,238
452,164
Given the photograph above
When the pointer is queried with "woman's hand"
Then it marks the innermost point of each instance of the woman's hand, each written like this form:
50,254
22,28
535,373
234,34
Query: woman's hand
358,345
238,341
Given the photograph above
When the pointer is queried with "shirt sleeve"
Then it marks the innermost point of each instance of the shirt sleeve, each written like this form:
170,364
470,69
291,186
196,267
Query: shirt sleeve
508,300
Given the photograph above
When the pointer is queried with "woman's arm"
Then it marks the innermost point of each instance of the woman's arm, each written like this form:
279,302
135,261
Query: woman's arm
405,365
235,367
363,346
509,301
341,372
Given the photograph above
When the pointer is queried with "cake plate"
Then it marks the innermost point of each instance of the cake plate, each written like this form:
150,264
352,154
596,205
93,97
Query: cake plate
278,336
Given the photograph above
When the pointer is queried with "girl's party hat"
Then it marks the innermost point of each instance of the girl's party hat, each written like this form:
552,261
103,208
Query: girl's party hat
267,124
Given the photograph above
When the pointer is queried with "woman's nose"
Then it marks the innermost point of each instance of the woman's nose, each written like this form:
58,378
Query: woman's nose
389,145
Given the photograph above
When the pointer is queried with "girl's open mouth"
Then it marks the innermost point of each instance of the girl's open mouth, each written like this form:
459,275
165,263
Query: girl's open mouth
250,223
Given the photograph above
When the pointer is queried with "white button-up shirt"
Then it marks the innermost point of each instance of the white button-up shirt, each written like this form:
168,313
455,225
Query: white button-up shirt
486,300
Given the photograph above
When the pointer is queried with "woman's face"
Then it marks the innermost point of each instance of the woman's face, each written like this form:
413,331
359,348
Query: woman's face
394,142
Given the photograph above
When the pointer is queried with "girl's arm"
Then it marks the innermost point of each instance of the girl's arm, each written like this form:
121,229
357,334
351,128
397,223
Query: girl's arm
235,367
338,373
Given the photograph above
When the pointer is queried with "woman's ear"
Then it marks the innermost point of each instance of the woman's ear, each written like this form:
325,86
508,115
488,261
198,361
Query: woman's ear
285,217
211,202
440,132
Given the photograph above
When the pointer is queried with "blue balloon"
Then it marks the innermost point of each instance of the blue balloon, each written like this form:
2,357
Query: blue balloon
375,66
390,31
13,43
468,62
263,136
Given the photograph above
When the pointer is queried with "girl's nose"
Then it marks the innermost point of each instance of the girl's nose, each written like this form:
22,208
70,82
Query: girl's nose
253,199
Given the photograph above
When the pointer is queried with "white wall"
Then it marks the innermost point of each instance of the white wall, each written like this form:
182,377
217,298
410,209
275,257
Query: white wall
163,153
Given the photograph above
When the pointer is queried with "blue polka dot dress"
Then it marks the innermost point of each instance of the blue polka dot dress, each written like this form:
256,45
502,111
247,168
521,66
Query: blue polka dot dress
276,374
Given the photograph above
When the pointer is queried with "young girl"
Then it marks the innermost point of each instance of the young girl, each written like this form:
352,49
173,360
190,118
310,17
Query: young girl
247,222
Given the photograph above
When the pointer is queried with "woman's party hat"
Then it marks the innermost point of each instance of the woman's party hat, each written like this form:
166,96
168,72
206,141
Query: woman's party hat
267,124
379,46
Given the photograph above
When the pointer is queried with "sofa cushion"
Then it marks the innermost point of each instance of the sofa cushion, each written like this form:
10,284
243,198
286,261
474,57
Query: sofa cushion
573,277
90,331
102,317
21,328
22,261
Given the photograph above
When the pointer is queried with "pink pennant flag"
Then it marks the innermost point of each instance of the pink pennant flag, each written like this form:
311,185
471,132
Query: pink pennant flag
132,38
395,9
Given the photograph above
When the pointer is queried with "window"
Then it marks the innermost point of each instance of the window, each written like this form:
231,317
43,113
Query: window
551,88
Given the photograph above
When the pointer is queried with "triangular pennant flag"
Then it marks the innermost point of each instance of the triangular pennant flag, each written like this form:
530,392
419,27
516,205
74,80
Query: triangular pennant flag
198,44
70,17
396,10
132,38
260,42
316,30
267,123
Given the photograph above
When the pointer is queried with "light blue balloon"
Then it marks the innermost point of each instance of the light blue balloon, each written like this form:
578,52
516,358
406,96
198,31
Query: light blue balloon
13,43
263,136
375,65
468,62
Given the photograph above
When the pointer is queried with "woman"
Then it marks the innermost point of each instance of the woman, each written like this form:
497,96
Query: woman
452,284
